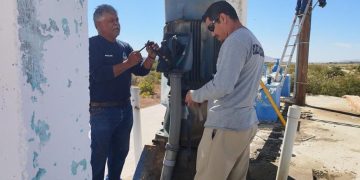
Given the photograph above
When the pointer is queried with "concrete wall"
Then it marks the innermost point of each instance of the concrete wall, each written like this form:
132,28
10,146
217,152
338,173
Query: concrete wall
241,9
44,90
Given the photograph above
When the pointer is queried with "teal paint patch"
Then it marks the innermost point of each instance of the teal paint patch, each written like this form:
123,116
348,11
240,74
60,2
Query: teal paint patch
33,99
76,26
81,3
41,172
65,27
31,140
35,160
75,166
51,27
69,83
31,44
41,129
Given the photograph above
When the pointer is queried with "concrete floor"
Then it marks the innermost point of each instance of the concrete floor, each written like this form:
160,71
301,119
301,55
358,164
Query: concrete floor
327,144
151,118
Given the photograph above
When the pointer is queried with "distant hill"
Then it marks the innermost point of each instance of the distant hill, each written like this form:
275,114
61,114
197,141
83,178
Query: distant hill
270,59
353,61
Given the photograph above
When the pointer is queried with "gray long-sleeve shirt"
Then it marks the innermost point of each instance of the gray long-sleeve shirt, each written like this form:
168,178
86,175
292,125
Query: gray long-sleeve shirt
231,93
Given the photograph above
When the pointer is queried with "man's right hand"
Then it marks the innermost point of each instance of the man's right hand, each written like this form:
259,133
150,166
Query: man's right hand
189,101
134,58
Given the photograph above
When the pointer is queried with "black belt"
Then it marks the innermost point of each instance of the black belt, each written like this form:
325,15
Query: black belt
110,104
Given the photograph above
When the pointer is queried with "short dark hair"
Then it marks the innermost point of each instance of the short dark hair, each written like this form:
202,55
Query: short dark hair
101,9
216,8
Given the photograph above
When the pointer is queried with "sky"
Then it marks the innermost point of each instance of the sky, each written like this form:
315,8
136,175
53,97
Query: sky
335,29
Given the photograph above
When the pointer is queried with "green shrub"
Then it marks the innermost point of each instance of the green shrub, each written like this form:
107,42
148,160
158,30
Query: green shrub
332,81
334,71
146,88
147,83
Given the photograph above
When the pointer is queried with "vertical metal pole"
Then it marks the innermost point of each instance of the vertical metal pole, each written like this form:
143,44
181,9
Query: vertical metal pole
135,102
289,138
172,146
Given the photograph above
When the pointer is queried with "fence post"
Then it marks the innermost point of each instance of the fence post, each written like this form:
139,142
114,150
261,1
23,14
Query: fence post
135,102
288,142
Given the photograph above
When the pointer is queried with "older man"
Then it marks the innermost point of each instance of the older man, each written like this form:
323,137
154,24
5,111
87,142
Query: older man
111,64
231,124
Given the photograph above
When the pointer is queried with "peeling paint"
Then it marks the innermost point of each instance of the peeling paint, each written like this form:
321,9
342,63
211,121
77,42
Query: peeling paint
76,26
41,129
69,83
65,27
81,3
41,172
33,99
32,44
52,26
35,160
75,165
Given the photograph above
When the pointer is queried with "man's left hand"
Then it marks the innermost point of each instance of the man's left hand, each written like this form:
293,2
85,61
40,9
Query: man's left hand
151,49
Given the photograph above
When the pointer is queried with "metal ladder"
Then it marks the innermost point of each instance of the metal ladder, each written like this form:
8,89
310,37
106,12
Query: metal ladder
297,22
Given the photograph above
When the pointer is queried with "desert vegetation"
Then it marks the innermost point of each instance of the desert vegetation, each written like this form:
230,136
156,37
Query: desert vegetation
323,79
331,79
148,84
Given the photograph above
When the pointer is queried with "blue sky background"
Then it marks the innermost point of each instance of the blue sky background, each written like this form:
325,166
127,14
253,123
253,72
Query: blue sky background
335,31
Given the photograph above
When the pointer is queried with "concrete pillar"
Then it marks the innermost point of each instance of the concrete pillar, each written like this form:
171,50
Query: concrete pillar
44,90
241,9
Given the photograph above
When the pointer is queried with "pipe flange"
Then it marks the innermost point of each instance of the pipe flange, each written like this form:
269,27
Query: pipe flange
171,147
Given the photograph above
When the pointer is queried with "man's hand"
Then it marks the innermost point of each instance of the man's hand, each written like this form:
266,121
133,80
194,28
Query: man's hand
189,101
151,49
134,58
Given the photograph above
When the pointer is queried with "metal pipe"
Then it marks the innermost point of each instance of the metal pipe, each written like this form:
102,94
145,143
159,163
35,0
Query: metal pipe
172,146
135,102
288,142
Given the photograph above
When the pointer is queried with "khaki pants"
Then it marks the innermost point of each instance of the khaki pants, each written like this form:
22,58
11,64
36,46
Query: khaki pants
225,155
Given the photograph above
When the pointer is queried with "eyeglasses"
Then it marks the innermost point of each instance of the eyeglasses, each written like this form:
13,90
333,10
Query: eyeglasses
211,26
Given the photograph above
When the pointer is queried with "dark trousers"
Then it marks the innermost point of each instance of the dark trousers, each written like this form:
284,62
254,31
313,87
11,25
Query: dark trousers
300,6
110,136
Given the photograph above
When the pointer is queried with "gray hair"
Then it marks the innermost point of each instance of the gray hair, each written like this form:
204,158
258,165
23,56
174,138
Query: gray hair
100,10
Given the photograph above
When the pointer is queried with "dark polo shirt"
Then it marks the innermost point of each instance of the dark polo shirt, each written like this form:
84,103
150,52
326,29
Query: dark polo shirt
103,54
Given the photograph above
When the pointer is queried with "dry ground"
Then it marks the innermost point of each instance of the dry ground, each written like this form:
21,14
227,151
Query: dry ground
327,145
152,100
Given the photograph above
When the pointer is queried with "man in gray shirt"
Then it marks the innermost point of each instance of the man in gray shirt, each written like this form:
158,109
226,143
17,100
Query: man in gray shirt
231,124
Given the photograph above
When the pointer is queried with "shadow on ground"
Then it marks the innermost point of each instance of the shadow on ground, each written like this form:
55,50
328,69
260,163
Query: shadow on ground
262,166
